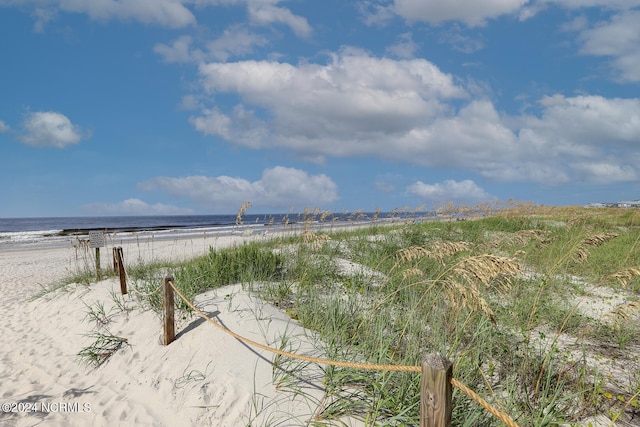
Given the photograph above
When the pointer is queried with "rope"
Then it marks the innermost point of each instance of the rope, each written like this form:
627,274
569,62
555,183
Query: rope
293,355
505,418
133,290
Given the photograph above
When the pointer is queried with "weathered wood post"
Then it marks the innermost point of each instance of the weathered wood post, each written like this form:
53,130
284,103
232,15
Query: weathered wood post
96,240
98,276
115,259
436,391
167,311
121,272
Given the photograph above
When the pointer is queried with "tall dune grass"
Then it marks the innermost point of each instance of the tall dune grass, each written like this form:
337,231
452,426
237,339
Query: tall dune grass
499,293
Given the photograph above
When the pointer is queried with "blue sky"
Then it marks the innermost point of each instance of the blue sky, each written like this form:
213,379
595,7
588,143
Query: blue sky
142,107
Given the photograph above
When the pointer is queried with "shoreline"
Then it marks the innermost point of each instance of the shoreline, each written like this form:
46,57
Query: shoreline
63,232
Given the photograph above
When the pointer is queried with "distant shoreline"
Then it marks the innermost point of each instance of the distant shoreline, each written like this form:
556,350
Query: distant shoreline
56,233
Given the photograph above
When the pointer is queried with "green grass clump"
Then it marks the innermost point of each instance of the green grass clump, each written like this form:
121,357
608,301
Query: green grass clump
243,264
103,346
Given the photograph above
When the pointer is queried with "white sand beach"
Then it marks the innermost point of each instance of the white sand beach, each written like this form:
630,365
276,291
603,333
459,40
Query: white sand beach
205,377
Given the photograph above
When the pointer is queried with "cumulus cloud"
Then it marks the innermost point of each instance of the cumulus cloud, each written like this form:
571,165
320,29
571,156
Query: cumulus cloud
50,129
266,13
588,138
405,47
357,105
4,127
278,188
167,13
213,122
179,50
449,190
315,107
619,39
135,207
471,12
474,13
235,41
605,171
373,13
241,126
589,121
579,4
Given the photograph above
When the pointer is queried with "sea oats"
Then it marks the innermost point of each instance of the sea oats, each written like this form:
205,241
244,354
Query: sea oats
623,313
599,239
412,272
241,212
624,277
486,269
582,252
435,250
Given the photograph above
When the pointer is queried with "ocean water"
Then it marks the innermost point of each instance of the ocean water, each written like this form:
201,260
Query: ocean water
18,233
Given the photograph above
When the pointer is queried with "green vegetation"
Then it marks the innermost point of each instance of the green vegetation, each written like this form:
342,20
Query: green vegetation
103,346
502,296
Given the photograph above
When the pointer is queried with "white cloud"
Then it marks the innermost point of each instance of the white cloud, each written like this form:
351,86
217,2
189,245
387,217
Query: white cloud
135,207
213,122
168,13
178,51
459,41
50,129
590,120
278,188
588,138
349,70
618,38
235,41
316,107
579,4
190,102
449,190
241,127
605,172
265,13
474,12
165,13
375,14
4,127
405,47
578,23
471,12
406,111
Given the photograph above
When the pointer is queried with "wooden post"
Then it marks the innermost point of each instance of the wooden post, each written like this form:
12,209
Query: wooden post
121,271
115,260
96,240
98,276
436,391
167,311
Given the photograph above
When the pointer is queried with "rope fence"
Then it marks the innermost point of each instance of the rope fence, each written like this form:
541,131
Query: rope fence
435,385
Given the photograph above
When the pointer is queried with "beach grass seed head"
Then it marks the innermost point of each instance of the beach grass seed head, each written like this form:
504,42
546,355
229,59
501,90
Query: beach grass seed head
624,277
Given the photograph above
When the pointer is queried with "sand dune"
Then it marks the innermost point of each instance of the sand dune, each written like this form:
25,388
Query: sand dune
205,377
